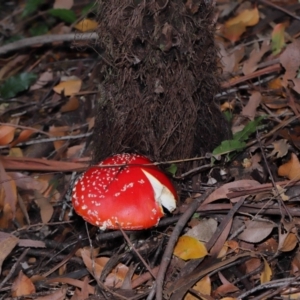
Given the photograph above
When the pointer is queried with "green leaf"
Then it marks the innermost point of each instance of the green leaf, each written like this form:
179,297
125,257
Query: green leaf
228,115
277,41
15,84
38,29
31,7
65,15
87,9
229,146
248,130
172,169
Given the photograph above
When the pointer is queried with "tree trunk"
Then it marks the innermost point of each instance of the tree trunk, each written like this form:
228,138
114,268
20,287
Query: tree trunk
159,76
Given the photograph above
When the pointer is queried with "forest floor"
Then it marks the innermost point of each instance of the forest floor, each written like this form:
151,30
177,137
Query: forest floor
240,242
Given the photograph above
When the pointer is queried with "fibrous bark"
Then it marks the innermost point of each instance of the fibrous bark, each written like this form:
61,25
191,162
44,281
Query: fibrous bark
159,74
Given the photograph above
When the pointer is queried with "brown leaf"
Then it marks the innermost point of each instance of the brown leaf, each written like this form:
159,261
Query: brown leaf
84,293
281,148
115,278
10,191
72,104
221,192
204,230
255,56
43,79
230,60
256,231
7,244
28,182
59,294
290,60
46,209
225,288
7,134
287,242
23,137
249,110
22,285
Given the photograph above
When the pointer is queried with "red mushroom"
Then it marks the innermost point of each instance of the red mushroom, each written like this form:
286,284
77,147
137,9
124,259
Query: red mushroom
131,196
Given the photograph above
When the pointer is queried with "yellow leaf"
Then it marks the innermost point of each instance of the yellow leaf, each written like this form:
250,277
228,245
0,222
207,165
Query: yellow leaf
236,26
266,273
189,248
291,294
248,17
291,169
203,286
68,87
86,25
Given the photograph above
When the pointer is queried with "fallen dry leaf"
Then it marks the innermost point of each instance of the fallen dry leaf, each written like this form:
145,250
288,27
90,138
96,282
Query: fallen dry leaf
7,244
46,209
189,248
43,79
281,148
22,286
221,192
291,168
204,230
69,86
290,60
250,65
256,231
249,110
7,134
236,26
115,278
203,286
72,104
287,242
86,25
266,274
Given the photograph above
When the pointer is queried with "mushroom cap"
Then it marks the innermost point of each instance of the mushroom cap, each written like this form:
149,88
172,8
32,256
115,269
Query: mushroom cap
131,196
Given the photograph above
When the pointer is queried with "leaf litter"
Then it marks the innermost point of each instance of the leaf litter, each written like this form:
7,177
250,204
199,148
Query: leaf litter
240,242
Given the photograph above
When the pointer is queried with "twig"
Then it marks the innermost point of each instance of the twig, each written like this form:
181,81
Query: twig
136,252
266,2
46,39
272,284
52,139
267,70
173,239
